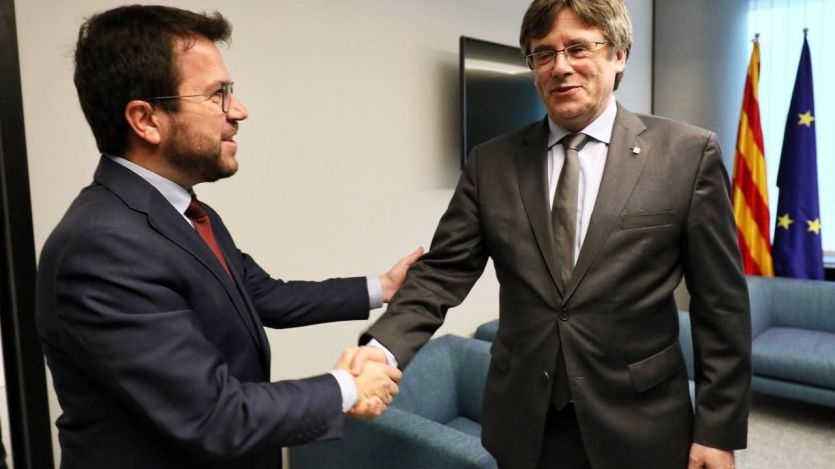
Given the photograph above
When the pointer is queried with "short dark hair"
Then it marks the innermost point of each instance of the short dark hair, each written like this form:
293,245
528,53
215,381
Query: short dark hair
611,16
128,53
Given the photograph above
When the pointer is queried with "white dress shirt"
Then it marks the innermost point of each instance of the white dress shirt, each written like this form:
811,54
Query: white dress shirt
592,162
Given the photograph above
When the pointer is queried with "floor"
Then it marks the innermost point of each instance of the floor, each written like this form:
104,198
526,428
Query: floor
785,434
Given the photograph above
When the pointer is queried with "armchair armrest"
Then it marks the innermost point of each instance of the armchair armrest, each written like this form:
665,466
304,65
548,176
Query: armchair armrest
759,295
395,439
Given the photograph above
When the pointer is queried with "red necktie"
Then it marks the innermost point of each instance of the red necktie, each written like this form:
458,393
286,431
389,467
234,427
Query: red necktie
197,214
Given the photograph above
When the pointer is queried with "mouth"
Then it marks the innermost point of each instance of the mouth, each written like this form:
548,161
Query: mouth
564,90
229,138
229,142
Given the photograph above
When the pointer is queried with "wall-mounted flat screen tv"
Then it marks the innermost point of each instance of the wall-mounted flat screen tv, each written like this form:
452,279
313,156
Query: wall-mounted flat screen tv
497,92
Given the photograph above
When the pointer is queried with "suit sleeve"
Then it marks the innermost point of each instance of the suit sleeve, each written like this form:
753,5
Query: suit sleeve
284,304
719,311
441,278
123,317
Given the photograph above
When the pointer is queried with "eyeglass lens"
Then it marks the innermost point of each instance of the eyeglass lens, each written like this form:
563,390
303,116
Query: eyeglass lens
226,97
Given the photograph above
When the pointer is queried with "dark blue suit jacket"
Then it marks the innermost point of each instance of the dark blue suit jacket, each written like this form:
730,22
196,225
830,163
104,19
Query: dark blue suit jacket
159,358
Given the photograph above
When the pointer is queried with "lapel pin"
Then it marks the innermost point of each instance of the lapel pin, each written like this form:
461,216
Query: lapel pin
636,150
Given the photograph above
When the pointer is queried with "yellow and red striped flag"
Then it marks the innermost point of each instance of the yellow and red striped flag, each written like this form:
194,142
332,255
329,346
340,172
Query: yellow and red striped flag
750,191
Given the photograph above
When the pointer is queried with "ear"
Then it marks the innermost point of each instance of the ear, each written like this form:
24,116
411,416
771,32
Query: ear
145,121
620,59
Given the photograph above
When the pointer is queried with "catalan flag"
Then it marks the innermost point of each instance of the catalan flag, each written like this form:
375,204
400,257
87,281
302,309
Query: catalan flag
798,251
750,193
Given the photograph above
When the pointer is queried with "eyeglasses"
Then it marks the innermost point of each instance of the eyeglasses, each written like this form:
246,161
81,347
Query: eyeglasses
222,96
545,60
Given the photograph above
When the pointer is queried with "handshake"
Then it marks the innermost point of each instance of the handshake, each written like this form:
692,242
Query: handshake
375,380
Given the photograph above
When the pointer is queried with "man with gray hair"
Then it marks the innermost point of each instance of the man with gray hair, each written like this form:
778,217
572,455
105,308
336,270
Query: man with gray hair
591,217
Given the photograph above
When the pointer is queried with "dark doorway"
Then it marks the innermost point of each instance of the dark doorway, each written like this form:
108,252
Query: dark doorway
25,379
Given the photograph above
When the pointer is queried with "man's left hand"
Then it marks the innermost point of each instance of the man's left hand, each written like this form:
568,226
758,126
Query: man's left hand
704,457
391,280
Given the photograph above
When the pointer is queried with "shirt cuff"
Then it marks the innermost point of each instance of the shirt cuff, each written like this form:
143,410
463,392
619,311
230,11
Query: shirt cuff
347,387
375,292
389,356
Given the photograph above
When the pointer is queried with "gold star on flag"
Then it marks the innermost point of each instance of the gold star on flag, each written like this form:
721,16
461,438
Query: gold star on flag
814,226
806,119
784,221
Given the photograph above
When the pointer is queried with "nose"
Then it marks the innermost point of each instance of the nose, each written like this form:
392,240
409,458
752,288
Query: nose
562,66
237,111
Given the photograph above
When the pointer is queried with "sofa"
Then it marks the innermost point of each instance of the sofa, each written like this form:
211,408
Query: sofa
793,329
434,423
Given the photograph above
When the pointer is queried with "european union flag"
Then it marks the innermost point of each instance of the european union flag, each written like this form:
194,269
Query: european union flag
797,249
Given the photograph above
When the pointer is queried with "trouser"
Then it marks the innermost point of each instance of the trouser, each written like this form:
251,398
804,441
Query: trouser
562,446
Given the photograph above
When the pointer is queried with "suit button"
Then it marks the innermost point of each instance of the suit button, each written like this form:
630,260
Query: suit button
546,377
564,315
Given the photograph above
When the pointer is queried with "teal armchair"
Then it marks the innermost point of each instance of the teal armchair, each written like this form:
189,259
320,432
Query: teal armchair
435,422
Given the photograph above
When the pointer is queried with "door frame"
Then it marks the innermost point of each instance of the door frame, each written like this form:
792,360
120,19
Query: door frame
26,389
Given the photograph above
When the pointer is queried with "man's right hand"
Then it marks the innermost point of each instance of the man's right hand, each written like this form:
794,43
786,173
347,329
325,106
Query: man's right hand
376,388
376,385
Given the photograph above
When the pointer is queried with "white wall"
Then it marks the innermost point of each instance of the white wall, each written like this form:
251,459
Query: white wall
701,58
351,151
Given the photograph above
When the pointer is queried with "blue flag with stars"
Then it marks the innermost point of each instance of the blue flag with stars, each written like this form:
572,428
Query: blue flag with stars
797,249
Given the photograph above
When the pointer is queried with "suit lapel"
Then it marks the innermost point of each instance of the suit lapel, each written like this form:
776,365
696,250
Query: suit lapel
171,224
141,196
531,171
620,174
253,313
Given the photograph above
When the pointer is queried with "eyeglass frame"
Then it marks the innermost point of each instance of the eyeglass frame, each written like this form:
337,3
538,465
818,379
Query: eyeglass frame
226,91
530,62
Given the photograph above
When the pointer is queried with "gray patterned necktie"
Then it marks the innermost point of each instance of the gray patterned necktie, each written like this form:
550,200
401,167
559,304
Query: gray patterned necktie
564,208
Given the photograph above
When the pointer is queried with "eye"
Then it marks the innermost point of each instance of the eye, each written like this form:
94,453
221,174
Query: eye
542,58
579,50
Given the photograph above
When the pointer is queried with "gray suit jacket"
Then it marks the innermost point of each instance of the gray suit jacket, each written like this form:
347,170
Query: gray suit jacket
662,212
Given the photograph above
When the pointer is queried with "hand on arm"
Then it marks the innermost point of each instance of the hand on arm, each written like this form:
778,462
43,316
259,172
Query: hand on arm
391,280
705,457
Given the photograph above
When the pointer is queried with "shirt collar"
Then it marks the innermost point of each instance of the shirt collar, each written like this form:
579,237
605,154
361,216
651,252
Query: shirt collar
600,129
174,193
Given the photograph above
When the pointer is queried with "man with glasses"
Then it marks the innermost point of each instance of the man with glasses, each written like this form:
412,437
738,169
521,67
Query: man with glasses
151,318
591,217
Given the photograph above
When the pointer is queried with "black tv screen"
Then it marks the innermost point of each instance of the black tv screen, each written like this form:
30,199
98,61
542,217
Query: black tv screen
497,92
